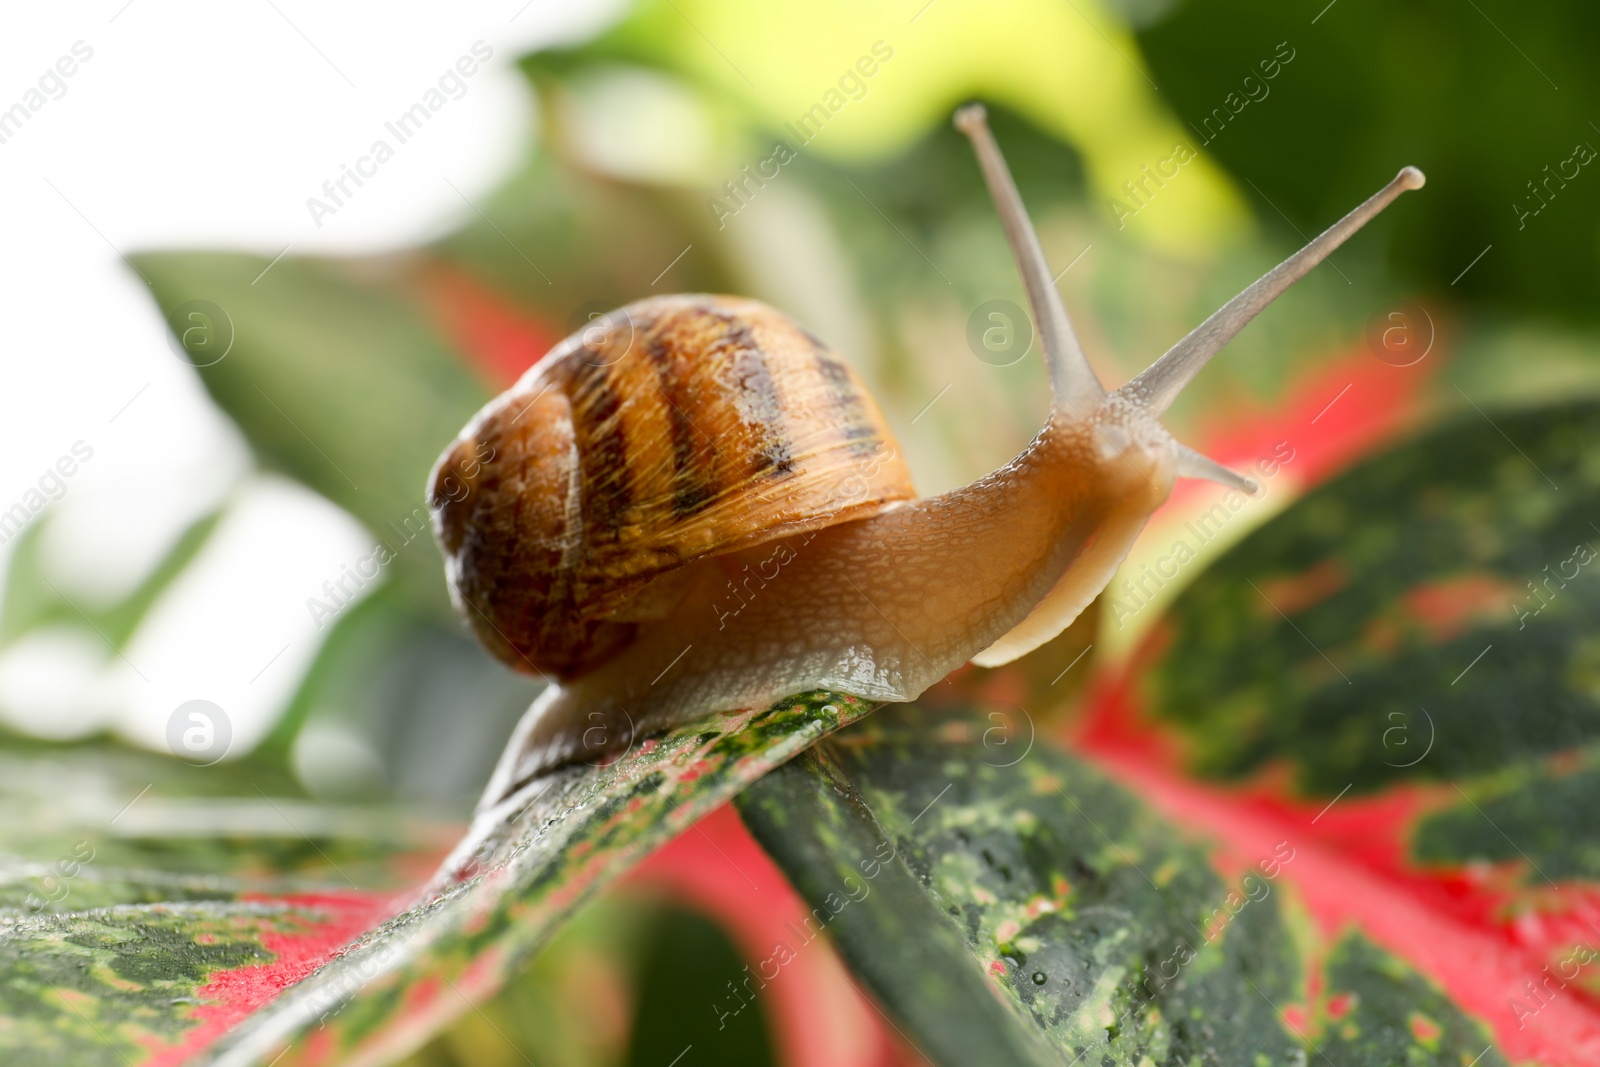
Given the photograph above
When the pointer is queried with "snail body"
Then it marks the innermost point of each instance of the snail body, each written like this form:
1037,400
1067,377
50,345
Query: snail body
695,506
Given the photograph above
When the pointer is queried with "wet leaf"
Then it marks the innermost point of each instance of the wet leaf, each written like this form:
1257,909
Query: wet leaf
935,862
1427,615
110,955
1396,672
522,871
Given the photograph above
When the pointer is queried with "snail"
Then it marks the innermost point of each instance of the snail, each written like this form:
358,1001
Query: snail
693,505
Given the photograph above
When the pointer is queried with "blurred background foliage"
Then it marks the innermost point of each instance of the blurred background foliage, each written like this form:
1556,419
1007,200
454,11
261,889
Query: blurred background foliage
350,375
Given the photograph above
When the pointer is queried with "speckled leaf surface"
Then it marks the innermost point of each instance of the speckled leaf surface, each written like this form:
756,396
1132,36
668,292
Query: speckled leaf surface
144,909
941,866
148,983
517,875
303,937
813,821
1398,673
1370,602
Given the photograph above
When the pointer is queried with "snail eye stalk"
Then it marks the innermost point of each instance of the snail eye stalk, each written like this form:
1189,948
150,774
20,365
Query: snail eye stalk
1072,380
1159,384
1073,384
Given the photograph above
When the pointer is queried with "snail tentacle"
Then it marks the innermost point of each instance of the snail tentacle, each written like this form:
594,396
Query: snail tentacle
1192,464
1072,380
1159,384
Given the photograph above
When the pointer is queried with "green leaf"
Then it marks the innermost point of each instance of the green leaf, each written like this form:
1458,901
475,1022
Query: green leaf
813,822
31,600
687,958
95,989
1103,929
1546,815
150,909
140,899
150,814
525,868
1384,1013
1399,670
1426,615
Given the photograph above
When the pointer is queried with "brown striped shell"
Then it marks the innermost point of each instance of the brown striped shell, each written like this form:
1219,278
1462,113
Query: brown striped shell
673,430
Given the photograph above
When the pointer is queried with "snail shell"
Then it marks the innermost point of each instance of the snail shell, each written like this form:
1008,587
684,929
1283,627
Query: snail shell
674,429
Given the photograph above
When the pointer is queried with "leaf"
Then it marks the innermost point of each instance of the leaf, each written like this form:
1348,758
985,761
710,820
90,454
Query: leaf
529,866
246,967
687,959
812,821
1424,616
133,984
1397,673
1546,816
1103,928
139,904
30,601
